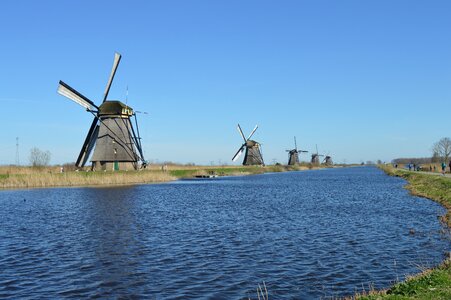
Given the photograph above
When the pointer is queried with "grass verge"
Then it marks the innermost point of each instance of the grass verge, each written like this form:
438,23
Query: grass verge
430,284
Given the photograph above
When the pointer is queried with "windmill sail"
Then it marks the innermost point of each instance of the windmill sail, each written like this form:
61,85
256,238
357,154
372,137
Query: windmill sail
117,59
68,92
91,137
252,133
241,132
238,153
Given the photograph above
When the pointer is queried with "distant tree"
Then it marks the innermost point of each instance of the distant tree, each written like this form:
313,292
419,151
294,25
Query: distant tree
414,160
39,158
379,162
442,149
435,157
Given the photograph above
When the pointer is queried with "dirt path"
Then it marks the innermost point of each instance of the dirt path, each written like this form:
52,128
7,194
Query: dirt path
429,173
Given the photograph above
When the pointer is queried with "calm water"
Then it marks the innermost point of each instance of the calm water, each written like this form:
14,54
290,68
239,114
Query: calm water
306,234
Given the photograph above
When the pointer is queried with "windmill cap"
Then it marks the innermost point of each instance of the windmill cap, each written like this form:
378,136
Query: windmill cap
251,143
115,108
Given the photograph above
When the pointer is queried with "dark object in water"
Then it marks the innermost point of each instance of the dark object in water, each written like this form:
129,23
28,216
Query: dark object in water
206,176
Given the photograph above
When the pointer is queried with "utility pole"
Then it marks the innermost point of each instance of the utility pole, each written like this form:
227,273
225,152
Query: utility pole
17,152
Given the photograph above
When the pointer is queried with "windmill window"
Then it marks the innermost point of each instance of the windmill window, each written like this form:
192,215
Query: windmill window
115,151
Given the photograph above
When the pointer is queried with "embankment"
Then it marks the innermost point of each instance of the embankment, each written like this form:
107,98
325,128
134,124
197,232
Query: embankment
433,283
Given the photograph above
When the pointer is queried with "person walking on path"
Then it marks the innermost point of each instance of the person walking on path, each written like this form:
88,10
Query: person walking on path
443,168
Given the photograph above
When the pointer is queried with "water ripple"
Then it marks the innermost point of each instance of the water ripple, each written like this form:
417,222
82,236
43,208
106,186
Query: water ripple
308,235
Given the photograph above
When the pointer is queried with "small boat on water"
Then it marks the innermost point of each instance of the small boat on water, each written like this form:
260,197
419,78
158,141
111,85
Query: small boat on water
206,176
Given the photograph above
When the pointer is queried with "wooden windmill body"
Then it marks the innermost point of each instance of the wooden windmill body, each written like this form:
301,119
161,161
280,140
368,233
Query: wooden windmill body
328,160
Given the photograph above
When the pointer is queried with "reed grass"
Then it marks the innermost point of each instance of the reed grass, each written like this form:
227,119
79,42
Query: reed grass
30,178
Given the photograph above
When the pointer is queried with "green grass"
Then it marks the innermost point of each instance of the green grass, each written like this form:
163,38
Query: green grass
431,284
434,283
228,171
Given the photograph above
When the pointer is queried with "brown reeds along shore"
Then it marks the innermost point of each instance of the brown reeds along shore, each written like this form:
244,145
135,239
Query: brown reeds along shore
13,177
27,177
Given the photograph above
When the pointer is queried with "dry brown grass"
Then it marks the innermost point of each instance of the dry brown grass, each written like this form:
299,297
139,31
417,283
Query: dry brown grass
13,177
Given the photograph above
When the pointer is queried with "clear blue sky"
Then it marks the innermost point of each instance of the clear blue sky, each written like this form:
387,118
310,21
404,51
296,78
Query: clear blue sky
365,80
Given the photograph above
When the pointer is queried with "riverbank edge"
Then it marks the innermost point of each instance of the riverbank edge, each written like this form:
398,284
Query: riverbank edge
29,178
434,283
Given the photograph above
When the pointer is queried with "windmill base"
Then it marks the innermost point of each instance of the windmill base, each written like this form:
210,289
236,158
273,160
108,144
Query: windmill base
113,165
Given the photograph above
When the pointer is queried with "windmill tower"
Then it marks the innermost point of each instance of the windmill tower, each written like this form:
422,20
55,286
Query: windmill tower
328,160
117,147
293,154
315,157
253,155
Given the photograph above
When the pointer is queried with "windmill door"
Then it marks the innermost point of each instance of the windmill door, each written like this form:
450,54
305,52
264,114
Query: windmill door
116,166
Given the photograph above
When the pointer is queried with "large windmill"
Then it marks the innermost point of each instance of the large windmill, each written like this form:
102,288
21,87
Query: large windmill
293,154
117,144
253,155
316,156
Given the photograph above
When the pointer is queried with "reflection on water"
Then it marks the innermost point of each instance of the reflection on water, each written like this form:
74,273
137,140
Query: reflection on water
306,234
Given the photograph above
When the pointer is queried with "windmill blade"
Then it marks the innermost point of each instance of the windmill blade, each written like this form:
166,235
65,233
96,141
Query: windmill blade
65,90
117,59
91,144
303,151
87,145
238,153
295,145
137,139
252,133
241,132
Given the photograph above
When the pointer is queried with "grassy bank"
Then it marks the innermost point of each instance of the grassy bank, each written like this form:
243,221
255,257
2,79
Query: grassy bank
28,177
434,283
231,170
434,187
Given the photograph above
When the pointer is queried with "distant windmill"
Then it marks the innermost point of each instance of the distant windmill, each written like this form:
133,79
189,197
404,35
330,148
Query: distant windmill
253,155
117,146
316,156
328,160
293,154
